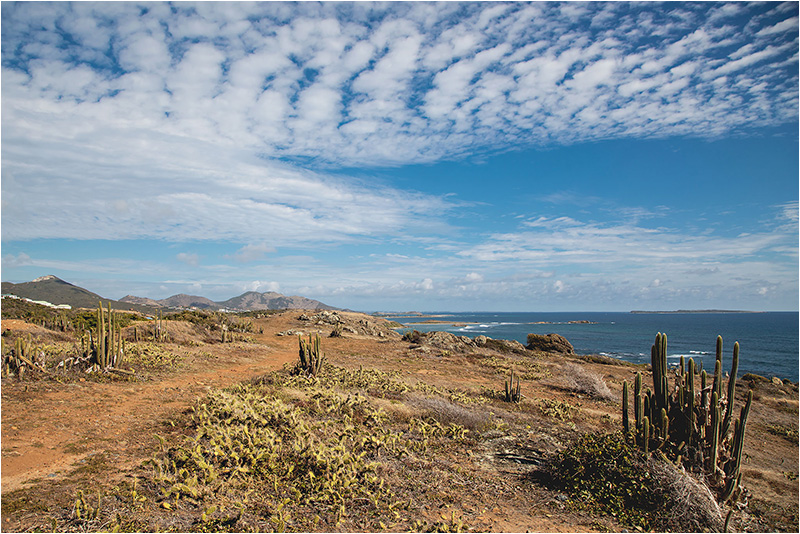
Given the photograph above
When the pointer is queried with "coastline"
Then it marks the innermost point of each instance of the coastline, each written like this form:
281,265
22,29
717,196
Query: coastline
663,312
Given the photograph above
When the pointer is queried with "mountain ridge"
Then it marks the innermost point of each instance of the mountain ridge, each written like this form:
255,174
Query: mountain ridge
52,289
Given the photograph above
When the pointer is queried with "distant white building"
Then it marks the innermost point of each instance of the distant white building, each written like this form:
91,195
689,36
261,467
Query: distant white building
41,302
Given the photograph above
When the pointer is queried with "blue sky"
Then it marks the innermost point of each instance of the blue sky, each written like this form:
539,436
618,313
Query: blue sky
429,156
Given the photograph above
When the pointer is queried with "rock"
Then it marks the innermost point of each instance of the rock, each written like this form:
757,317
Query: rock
505,345
290,333
550,343
480,341
443,340
777,381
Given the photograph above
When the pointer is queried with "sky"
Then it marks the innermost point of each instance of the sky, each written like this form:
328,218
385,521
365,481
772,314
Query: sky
481,156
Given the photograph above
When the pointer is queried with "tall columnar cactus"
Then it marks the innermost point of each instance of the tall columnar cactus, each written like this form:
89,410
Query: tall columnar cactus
106,344
159,328
513,393
626,423
689,425
311,357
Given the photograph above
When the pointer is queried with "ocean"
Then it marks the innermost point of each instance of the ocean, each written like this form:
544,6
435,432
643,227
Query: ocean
768,342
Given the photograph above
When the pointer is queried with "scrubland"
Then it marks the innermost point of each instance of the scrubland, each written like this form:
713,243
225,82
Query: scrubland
197,434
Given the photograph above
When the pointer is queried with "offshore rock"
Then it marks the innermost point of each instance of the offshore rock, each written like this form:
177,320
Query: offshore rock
550,343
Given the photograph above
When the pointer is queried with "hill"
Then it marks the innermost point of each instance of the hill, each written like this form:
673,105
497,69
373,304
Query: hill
270,300
56,291
141,301
188,301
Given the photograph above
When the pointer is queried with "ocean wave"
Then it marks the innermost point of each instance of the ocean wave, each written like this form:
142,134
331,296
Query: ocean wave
692,354
620,355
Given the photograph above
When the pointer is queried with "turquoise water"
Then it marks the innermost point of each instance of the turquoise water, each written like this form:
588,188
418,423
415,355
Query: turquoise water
768,342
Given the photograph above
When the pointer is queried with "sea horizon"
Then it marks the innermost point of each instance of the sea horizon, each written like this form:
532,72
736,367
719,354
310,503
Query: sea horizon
768,340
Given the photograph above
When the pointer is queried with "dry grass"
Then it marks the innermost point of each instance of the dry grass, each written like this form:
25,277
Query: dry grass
689,504
587,383
447,412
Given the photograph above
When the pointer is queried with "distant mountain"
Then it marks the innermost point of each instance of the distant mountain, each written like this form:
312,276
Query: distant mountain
141,301
272,301
56,291
188,301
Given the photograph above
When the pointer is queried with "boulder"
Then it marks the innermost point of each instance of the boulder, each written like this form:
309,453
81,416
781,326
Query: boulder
505,345
445,341
550,343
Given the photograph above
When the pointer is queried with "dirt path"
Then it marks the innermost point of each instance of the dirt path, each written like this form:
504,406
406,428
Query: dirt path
50,429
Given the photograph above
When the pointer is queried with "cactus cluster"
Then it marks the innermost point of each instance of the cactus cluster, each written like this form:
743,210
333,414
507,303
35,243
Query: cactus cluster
690,426
513,393
159,329
311,358
104,344
22,356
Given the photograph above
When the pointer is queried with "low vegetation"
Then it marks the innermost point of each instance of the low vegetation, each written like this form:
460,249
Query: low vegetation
321,446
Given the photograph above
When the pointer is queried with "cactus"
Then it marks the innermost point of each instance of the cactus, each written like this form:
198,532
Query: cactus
638,401
691,425
714,443
105,344
513,393
626,424
159,328
731,390
311,358
732,466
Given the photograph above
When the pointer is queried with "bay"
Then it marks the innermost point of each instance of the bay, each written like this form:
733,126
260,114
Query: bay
768,341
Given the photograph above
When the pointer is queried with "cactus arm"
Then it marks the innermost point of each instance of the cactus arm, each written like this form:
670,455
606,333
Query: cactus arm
731,390
626,425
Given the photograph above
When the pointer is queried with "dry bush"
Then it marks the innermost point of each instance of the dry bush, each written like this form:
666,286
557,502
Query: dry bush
447,412
689,505
587,383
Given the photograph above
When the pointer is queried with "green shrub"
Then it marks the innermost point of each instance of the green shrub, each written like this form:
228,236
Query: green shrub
608,475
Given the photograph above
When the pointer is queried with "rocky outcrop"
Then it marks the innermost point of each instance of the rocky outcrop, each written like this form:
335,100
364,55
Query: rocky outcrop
501,345
322,318
550,343
453,343
353,323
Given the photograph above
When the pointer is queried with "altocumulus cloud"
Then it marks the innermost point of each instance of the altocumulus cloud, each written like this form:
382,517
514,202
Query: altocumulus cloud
201,121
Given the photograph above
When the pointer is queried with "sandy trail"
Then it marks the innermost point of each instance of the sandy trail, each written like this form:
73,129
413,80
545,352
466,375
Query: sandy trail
49,429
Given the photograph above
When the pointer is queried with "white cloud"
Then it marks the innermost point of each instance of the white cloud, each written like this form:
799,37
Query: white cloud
789,24
473,277
262,287
424,83
12,261
188,258
253,252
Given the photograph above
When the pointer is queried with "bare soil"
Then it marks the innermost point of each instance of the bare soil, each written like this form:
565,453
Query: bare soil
59,436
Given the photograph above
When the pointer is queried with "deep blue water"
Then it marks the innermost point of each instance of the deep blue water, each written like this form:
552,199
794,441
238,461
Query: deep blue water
768,342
